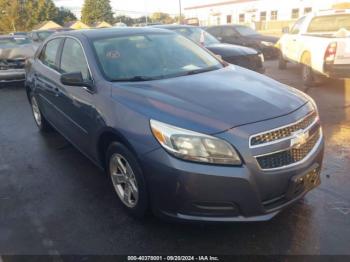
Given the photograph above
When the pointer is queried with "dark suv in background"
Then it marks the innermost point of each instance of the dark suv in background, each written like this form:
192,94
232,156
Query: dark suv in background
233,54
245,36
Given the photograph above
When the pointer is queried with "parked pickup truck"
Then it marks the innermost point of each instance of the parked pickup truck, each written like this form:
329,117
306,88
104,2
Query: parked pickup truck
320,42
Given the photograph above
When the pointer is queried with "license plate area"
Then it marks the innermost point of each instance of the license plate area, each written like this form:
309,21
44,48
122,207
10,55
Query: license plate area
303,183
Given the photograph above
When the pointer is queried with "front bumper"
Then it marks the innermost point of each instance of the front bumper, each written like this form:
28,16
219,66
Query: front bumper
181,190
251,62
337,70
12,75
270,52
196,192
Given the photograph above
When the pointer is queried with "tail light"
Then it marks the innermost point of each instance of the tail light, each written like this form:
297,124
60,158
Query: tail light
331,51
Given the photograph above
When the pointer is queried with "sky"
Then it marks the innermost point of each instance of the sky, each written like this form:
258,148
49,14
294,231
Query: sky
138,6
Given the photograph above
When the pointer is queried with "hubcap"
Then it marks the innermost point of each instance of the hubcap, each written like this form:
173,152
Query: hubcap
124,180
36,111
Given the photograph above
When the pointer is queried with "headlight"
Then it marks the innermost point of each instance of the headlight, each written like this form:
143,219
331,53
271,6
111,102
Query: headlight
194,146
267,43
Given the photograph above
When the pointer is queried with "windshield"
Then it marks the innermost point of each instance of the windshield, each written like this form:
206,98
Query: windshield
330,23
197,35
153,56
245,30
43,35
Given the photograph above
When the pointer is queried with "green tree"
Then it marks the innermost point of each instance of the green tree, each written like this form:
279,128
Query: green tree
64,15
163,18
45,10
97,11
124,19
10,16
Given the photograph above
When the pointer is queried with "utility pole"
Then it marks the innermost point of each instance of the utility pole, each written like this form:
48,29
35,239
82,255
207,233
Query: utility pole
180,20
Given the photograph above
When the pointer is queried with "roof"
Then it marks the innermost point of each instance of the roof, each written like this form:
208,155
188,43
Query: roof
110,32
173,26
102,23
42,24
219,3
76,24
69,24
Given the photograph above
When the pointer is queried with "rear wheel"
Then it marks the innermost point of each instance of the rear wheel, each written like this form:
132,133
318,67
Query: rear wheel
282,63
39,119
308,75
127,179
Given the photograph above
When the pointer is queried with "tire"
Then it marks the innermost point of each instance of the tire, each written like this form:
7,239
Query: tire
282,63
127,179
309,77
39,119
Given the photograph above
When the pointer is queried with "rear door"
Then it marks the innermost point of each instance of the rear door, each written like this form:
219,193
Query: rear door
45,77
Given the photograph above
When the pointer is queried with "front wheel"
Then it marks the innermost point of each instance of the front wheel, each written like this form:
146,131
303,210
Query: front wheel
127,179
308,75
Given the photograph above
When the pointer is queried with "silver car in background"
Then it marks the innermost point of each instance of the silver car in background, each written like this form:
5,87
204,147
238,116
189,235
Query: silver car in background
14,50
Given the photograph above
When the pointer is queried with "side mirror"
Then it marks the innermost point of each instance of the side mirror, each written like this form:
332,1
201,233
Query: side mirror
285,30
76,79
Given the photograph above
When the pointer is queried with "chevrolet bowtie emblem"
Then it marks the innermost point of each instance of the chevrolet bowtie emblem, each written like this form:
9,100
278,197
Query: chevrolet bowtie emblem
299,138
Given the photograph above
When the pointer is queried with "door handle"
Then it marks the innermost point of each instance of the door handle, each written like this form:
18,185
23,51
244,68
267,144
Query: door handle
57,91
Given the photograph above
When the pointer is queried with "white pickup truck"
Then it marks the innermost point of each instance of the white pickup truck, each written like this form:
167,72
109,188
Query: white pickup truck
320,42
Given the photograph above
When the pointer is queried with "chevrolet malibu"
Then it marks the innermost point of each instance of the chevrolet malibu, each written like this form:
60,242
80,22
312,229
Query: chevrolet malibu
177,130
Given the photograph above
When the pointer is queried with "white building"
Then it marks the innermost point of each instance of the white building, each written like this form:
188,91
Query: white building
250,11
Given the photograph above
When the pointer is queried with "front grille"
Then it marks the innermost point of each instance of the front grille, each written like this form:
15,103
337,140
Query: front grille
289,156
6,64
283,132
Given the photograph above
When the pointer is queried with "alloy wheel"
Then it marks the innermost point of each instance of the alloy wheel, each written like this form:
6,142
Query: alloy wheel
124,180
36,111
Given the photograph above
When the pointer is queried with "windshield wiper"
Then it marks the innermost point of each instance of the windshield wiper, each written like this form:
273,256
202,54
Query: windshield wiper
198,71
134,79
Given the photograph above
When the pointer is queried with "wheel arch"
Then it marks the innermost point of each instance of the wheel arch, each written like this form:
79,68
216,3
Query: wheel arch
302,54
105,138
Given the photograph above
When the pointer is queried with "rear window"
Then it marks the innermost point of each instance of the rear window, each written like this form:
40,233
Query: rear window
330,23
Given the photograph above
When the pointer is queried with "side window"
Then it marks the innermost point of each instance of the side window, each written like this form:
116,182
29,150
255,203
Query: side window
49,53
296,27
73,59
229,32
215,31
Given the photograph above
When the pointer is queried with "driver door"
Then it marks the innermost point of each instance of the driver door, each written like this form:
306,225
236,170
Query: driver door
292,46
74,102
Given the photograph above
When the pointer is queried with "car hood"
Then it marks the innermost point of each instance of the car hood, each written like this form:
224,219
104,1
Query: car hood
227,50
265,38
17,52
210,102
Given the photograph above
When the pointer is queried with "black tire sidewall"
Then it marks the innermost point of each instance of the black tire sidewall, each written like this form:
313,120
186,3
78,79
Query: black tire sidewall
282,63
141,207
44,126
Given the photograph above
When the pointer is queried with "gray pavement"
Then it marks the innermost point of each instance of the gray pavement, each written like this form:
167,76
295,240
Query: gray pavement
55,201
